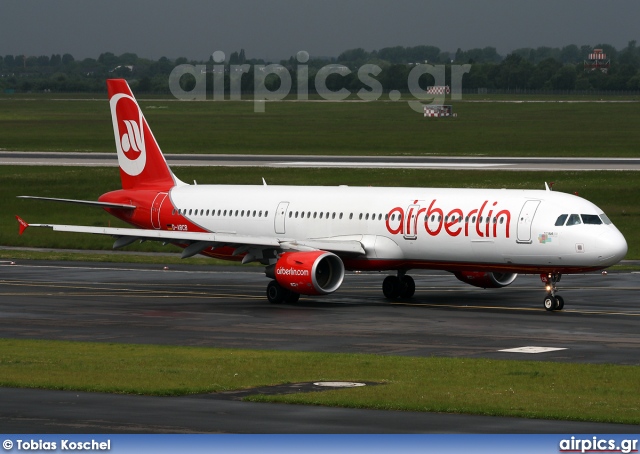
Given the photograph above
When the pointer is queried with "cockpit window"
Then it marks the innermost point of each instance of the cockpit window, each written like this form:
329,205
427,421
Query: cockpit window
561,219
574,219
605,219
592,219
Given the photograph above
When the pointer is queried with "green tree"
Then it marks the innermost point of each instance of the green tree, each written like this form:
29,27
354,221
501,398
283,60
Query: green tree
564,78
570,54
55,60
67,59
543,72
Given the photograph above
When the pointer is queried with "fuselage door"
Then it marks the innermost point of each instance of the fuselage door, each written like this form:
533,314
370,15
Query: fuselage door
411,222
280,217
155,209
525,219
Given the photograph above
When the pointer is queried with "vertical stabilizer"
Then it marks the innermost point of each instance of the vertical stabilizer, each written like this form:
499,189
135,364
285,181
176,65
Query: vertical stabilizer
142,165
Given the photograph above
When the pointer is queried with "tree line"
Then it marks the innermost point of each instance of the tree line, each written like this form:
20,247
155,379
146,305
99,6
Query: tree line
542,68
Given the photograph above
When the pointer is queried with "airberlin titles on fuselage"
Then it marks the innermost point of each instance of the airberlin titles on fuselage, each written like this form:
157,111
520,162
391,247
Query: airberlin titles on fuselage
406,222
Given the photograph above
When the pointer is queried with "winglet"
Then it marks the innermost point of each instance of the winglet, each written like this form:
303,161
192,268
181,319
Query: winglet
23,225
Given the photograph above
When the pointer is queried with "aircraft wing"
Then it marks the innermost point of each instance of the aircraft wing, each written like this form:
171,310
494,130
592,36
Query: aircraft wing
199,241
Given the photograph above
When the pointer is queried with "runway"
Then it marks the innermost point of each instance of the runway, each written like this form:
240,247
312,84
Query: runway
226,307
325,161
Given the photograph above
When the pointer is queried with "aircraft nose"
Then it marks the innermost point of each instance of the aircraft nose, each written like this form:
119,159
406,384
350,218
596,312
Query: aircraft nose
612,247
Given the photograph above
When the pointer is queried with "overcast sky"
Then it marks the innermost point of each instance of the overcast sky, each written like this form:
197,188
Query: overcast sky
276,29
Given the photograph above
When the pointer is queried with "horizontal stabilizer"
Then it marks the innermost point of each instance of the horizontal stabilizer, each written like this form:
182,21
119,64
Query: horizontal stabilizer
82,202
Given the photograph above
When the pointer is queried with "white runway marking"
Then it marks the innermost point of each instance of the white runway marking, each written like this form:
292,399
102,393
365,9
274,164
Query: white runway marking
531,349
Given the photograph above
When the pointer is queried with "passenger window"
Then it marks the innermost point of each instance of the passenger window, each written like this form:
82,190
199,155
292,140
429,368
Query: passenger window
561,219
574,219
591,219
340,215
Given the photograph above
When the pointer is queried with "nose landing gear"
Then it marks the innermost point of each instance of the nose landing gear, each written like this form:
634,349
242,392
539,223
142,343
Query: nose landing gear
553,301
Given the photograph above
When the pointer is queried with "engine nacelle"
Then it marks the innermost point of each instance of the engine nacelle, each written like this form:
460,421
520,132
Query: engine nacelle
308,273
486,280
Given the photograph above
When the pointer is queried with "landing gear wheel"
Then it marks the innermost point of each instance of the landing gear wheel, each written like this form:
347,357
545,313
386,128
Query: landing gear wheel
292,297
391,287
550,303
553,301
275,293
408,287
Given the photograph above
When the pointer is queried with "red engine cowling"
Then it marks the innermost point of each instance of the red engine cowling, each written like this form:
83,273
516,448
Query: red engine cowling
308,273
486,280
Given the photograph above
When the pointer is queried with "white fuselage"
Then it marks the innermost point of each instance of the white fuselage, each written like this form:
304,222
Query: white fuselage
420,227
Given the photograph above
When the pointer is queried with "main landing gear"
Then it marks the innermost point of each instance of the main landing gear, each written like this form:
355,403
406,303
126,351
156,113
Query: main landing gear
400,286
277,294
553,301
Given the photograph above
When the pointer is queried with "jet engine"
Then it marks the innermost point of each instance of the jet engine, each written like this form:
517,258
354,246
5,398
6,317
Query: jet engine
486,280
308,273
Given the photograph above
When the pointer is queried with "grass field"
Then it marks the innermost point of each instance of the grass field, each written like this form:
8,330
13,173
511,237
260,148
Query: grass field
335,128
585,392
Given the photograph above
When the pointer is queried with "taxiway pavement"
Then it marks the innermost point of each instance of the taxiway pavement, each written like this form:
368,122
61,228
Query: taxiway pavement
324,161
226,307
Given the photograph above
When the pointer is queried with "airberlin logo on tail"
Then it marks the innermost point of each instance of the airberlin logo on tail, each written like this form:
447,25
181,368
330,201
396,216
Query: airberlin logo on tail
132,139
485,221
129,133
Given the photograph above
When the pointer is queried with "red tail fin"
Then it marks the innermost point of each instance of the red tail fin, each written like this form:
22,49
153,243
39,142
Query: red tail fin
142,165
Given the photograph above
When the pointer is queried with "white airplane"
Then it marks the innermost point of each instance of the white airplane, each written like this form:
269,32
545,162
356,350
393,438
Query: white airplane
307,236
